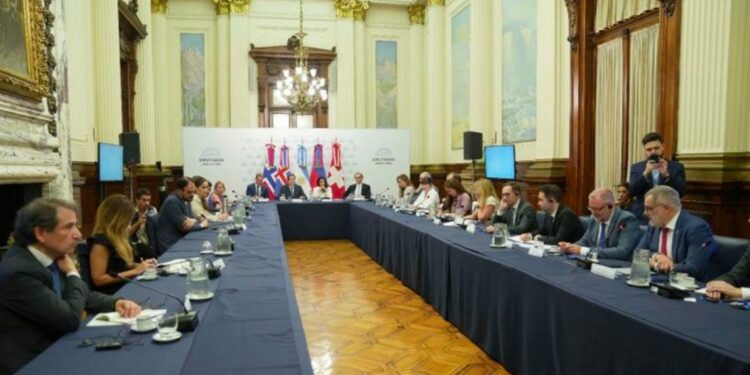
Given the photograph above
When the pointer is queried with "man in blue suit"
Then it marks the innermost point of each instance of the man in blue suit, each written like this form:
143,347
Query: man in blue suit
653,171
678,240
257,190
612,233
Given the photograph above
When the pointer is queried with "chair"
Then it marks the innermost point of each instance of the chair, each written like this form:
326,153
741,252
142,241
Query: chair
585,220
83,251
539,219
728,252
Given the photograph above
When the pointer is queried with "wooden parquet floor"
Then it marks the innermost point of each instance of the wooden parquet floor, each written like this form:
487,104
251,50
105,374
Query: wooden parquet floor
359,319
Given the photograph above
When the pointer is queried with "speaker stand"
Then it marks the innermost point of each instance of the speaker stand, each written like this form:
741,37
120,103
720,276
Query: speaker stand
131,179
473,171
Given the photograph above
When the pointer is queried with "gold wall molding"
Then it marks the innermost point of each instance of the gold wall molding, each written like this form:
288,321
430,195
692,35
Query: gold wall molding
355,9
416,14
159,6
224,7
436,2
717,167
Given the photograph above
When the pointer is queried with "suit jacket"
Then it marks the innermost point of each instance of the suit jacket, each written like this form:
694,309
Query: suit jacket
251,191
365,190
739,275
174,211
622,235
525,219
286,191
32,316
640,184
566,226
692,244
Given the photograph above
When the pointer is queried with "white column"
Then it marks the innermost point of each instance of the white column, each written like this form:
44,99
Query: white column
480,111
107,85
239,66
345,101
144,91
416,84
437,126
360,77
161,90
222,70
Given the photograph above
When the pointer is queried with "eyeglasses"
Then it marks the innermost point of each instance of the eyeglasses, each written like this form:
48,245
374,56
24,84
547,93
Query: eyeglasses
651,208
596,209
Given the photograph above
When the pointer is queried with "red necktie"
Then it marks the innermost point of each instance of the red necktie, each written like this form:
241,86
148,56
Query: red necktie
663,246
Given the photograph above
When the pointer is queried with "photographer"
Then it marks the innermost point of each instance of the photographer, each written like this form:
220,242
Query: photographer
653,171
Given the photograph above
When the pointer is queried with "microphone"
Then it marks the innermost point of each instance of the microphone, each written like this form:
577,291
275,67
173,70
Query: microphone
384,191
186,320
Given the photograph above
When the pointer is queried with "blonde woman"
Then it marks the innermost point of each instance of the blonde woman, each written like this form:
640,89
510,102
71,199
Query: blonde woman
111,255
405,189
487,200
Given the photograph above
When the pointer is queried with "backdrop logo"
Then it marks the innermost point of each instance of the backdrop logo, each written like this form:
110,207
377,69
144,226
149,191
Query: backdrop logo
211,157
384,156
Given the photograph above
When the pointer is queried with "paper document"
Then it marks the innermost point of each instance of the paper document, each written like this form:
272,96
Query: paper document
113,318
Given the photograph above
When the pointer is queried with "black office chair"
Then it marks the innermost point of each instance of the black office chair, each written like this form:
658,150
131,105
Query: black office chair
728,252
539,219
83,252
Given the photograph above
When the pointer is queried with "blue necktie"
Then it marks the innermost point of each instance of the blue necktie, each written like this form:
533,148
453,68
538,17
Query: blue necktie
602,236
56,282
655,176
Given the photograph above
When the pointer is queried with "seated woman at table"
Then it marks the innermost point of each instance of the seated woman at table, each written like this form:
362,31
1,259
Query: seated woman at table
322,191
216,198
111,256
458,201
405,189
199,204
486,199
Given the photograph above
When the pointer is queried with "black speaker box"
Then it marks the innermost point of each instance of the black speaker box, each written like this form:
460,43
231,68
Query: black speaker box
472,146
131,144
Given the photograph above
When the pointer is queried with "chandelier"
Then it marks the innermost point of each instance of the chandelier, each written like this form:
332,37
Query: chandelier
301,88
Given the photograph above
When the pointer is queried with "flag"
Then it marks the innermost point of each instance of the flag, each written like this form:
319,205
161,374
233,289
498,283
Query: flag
303,176
269,182
335,175
318,170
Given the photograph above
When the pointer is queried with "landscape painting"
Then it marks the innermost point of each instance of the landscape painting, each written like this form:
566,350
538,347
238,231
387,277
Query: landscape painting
460,75
519,70
386,84
192,56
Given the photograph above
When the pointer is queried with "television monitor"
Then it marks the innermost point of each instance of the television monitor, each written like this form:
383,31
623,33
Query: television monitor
110,162
500,162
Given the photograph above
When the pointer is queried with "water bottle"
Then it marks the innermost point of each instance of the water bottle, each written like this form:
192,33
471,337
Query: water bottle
640,272
197,280
223,243
500,235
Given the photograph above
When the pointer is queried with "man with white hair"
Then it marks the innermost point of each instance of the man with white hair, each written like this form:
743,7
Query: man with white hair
612,232
422,193
679,241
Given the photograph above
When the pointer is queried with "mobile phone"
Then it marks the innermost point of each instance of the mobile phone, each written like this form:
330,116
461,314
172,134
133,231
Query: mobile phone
109,345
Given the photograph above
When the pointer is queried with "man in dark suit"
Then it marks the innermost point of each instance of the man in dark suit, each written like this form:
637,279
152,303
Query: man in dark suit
291,190
358,189
679,241
653,171
612,233
176,218
256,189
560,222
734,284
42,295
516,212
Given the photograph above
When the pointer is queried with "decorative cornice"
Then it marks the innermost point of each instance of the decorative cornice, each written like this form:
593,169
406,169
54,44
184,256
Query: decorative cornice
668,6
224,7
572,6
440,3
159,6
355,9
416,14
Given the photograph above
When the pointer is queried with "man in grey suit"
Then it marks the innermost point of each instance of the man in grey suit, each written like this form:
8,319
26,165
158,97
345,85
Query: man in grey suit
514,211
42,295
734,284
612,232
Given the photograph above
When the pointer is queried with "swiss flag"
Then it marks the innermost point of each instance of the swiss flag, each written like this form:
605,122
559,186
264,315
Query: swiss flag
335,175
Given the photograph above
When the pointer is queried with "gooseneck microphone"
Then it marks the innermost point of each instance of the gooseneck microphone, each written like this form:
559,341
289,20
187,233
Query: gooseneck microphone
187,320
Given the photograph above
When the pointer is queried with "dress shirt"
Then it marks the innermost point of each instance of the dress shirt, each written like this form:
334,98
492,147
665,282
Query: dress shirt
585,250
46,261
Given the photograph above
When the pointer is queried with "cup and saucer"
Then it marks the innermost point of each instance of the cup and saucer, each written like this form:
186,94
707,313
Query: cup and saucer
143,325
159,337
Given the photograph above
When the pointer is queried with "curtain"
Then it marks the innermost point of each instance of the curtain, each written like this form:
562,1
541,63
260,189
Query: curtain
643,64
609,110
609,12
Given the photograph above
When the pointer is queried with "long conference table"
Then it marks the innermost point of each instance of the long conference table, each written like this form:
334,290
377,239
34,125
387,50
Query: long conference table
533,315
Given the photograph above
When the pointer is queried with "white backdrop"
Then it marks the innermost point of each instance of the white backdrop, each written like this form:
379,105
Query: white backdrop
235,155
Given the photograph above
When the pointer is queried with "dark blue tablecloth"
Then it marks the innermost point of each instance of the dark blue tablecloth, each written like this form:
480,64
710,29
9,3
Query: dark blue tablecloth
251,326
314,220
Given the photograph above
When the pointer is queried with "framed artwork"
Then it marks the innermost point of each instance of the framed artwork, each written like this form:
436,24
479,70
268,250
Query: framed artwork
460,76
519,70
25,39
386,84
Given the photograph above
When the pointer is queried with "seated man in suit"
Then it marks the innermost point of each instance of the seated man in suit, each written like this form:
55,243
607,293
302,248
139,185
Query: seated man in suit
291,190
358,189
514,211
176,218
256,189
42,296
653,171
734,284
679,241
560,222
612,232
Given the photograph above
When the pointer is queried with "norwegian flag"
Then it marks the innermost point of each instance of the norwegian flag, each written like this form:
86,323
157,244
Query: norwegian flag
318,170
335,175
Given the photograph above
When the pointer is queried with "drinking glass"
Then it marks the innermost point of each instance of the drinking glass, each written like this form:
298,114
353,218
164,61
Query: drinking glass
639,270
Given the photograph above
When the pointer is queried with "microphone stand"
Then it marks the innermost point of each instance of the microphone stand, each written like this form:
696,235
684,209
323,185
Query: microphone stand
186,320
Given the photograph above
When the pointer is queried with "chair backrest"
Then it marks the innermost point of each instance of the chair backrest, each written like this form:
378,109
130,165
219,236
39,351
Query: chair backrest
539,219
728,252
83,251
585,220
